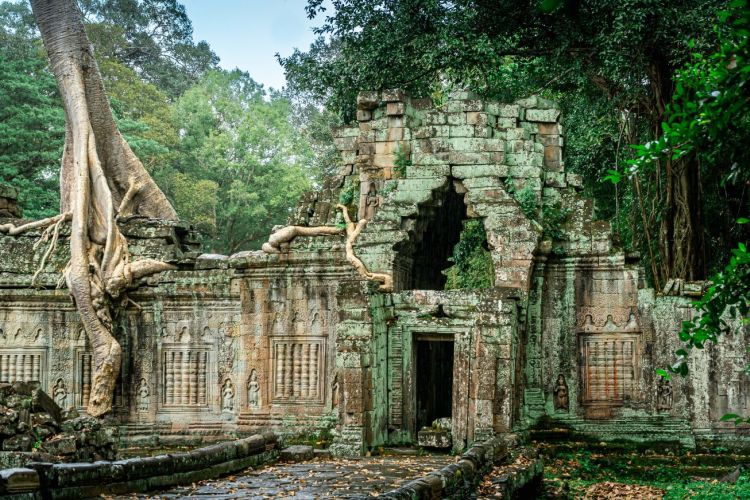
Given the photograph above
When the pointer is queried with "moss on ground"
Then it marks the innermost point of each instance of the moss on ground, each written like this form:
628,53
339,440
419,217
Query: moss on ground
573,469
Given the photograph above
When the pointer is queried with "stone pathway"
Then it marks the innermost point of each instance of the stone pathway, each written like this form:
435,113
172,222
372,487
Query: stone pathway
319,478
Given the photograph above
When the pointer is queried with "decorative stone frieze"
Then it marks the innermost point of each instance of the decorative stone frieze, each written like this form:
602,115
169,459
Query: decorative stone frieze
299,340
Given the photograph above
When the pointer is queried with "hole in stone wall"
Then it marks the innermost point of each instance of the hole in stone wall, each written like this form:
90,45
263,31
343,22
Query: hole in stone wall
446,250
472,262
433,235
434,374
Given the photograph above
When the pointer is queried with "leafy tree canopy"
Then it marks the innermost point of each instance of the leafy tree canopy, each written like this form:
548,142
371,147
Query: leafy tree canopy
610,64
241,142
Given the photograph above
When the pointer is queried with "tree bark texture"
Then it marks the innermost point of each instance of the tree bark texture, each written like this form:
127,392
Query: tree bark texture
100,179
682,239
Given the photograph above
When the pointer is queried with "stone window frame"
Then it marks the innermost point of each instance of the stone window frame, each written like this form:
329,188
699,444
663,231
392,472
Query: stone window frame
583,364
320,400
42,351
211,405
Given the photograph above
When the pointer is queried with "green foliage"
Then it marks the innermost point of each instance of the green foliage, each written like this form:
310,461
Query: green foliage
242,140
526,198
708,117
152,37
232,158
727,300
31,118
674,472
402,161
347,195
554,217
473,268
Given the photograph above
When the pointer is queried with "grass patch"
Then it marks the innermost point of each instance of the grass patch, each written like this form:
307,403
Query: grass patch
571,473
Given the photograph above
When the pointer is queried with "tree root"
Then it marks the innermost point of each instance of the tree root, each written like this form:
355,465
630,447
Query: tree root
51,234
101,179
13,230
285,235
352,232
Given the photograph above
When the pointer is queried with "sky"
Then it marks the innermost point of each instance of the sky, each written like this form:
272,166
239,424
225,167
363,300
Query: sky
246,34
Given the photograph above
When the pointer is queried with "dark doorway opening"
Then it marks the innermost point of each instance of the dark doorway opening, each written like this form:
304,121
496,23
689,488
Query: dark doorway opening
434,378
433,235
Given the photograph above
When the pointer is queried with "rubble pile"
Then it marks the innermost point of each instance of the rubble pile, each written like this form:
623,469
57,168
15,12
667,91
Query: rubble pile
34,428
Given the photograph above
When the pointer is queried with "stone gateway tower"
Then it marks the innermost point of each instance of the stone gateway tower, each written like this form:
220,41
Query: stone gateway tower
343,321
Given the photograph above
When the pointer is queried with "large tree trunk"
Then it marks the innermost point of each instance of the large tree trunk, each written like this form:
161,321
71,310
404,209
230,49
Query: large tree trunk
682,242
100,179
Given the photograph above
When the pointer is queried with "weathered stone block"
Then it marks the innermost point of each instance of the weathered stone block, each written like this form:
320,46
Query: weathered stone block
462,131
574,180
395,109
467,171
480,118
18,480
549,128
456,118
297,453
393,95
464,158
432,438
398,134
212,261
395,121
60,445
345,143
542,115
503,110
436,118
555,179
464,105
368,100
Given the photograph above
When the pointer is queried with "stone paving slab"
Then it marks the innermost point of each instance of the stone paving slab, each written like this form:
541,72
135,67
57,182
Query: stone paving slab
318,478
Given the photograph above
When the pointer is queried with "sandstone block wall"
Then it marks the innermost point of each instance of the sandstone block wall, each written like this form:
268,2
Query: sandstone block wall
300,342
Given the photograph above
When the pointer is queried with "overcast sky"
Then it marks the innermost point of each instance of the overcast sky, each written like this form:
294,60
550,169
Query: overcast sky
246,34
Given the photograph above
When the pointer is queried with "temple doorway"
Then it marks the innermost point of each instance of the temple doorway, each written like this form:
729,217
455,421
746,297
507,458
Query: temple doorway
434,378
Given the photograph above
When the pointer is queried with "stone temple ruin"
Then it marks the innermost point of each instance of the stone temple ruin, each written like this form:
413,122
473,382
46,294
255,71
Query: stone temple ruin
299,338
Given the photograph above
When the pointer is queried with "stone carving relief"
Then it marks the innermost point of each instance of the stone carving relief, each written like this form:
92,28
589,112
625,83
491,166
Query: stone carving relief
227,348
335,392
185,372
144,395
84,378
297,369
609,354
253,390
227,396
23,365
21,334
372,201
298,323
560,391
60,394
609,367
663,395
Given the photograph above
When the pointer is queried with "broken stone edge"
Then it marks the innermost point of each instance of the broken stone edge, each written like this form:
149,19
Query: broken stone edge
85,480
456,480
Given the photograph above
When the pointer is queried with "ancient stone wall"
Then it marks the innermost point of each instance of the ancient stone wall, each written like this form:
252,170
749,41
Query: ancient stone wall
300,340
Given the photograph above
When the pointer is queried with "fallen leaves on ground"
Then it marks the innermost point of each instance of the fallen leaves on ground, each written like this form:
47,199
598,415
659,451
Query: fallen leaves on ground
610,490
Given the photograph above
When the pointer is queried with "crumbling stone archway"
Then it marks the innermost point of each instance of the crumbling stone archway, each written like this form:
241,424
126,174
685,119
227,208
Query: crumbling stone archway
433,233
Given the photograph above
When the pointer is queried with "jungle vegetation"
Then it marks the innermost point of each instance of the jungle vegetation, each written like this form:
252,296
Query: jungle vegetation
656,110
